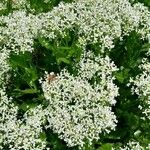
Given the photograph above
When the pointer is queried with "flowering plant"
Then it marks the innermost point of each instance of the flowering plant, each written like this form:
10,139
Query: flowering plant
74,74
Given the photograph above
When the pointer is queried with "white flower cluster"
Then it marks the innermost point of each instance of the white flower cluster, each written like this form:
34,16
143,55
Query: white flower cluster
25,134
97,21
17,34
133,145
79,110
142,87
4,67
144,20
17,134
20,134
20,31
8,113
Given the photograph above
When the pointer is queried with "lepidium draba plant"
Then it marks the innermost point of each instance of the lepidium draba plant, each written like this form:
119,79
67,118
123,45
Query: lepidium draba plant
79,106
83,99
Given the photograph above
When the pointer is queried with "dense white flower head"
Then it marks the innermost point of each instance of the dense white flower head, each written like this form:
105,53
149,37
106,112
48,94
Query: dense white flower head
20,30
8,113
94,21
80,110
144,21
20,134
25,134
97,21
142,87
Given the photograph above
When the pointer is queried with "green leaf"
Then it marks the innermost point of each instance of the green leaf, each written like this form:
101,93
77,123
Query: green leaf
119,76
21,60
19,93
45,43
106,147
25,106
43,136
122,75
32,73
145,47
64,48
64,60
27,91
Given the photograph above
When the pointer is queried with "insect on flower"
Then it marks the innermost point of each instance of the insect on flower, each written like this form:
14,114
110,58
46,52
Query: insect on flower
51,77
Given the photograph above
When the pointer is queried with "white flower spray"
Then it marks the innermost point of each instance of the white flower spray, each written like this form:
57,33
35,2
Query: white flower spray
80,111
141,87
